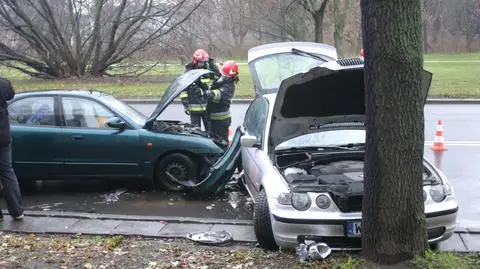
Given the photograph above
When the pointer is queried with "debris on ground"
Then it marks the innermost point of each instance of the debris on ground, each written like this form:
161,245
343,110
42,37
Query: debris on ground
312,251
211,237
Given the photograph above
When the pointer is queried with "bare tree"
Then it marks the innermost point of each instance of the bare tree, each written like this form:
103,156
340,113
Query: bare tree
316,9
393,218
63,38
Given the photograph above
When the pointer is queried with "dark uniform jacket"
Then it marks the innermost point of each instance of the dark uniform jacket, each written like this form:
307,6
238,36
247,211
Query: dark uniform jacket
193,97
218,105
6,93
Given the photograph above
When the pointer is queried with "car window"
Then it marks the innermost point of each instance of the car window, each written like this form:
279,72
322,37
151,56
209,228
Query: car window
33,111
256,117
80,112
271,70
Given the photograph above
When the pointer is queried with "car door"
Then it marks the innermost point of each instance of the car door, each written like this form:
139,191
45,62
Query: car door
35,133
93,149
254,124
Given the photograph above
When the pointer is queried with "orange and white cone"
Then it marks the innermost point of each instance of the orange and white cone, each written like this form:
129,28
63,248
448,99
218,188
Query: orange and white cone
230,136
439,143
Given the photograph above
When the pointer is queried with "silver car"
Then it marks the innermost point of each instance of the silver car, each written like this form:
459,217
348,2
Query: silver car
302,157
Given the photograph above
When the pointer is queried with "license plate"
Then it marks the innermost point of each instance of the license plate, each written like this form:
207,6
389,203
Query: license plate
354,228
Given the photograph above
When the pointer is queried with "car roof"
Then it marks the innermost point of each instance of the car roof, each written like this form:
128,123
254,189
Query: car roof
67,92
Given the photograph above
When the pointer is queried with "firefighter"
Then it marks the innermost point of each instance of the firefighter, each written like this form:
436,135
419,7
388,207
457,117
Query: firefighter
193,99
219,98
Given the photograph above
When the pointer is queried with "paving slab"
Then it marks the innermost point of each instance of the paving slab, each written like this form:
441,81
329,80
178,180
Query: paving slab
94,226
472,241
38,225
181,229
454,243
145,228
243,233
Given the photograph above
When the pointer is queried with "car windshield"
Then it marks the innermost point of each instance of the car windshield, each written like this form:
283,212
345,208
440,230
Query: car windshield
127,110
269,71
325,138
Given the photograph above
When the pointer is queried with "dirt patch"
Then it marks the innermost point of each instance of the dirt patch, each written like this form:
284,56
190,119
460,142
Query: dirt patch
61,251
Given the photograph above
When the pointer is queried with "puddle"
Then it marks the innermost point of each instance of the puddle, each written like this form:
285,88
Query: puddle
112,197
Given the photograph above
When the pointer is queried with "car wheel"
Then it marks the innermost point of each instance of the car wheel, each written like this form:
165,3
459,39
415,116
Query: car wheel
178,165
262,224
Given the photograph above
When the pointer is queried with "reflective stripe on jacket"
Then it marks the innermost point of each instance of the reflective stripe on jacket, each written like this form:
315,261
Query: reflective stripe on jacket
218,105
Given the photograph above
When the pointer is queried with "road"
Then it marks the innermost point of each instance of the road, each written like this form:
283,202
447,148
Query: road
462,133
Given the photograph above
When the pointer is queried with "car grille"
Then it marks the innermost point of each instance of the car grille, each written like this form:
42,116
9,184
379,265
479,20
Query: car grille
349,204
350,61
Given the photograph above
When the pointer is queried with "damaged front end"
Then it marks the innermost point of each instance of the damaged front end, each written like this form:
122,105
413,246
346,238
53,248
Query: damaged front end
219,173
185,128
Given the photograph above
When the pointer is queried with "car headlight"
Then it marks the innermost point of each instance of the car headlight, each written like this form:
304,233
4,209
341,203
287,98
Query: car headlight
448,189
323,201
284,198
437,192
301,201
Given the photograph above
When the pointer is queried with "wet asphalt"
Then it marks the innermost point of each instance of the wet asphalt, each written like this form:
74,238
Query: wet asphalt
460,163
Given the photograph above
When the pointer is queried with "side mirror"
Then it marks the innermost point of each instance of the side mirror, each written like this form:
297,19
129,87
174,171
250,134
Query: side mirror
116,123
249,141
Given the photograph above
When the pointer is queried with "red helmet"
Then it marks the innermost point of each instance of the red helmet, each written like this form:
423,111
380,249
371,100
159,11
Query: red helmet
229,69
200,55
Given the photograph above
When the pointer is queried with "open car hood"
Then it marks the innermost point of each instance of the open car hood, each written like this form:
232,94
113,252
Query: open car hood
321,99
174,90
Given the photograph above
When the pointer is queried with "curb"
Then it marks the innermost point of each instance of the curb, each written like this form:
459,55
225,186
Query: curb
169,219
150,101
473,229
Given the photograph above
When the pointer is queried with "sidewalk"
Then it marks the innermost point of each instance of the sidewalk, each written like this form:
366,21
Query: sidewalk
463,240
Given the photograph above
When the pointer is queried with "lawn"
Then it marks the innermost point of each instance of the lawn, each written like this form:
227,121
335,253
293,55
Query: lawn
83,251
454,75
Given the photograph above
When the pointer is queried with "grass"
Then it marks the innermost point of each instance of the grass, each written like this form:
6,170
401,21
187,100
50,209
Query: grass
454,76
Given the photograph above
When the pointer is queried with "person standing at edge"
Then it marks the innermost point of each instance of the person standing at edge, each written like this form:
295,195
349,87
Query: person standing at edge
8,179
192,98
219,98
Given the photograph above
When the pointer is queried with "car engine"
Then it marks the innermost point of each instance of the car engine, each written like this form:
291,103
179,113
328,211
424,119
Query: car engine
342,179
179,127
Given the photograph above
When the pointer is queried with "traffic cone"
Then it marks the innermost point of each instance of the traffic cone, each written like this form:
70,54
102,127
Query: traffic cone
439,144
230,136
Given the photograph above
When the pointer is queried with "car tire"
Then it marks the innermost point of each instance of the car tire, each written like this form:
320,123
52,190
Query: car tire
262,224
180,166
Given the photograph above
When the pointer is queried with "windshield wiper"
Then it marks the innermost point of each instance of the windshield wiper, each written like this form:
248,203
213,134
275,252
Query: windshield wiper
319,148
352,145
311,55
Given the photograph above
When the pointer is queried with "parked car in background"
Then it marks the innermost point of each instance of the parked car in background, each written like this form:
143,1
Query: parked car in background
303,158
72,134
271,63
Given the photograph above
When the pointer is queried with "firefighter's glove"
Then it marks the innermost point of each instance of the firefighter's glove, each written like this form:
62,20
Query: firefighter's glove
186,111
209,94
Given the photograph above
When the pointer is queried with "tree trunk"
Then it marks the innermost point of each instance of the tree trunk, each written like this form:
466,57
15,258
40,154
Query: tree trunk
318,16
319,28
340,15
393,222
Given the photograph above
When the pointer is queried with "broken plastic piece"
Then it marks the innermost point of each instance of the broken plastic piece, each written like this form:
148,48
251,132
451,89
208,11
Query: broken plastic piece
319,251
302,252
210,238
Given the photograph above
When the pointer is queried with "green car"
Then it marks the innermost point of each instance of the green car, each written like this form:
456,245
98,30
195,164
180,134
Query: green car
73,134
